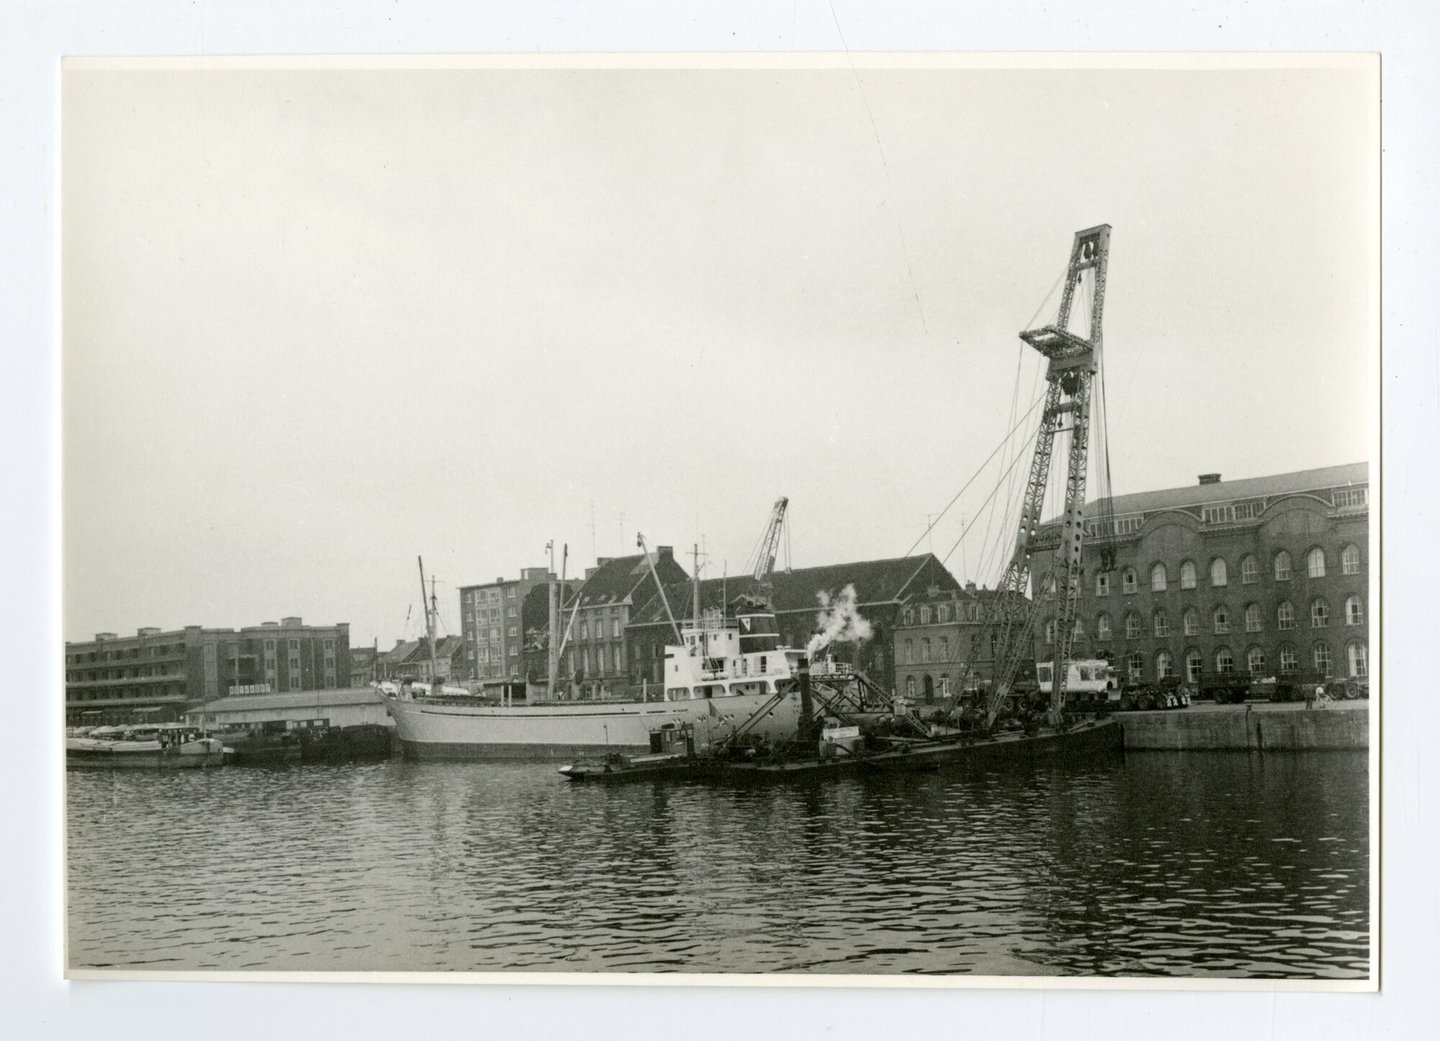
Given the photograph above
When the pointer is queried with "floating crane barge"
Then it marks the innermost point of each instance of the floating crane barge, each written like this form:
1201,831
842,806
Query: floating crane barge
833,742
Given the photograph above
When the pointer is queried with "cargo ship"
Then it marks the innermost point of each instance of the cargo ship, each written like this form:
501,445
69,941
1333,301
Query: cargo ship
727,672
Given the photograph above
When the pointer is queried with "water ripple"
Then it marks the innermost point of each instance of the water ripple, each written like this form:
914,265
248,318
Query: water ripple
1159,865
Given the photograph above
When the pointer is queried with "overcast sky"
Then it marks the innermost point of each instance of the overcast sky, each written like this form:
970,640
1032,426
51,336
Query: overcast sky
317,323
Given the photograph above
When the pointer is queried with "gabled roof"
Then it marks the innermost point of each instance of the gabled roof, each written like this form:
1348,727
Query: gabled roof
622,578
399,653
1274,486
875,581
980,595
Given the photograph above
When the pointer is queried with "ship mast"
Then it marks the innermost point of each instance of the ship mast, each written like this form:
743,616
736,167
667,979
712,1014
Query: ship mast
1074,359
695,610
552,624
429,624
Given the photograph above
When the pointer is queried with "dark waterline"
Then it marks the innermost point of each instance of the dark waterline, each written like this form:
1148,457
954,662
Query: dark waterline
1160,864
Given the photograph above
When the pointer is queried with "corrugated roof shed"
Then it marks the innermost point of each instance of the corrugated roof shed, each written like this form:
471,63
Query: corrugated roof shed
289,700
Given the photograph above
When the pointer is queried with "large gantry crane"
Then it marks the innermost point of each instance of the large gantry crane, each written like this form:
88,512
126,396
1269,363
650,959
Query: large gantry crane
1074,360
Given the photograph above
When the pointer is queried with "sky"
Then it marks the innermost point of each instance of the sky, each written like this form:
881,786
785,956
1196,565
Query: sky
319,322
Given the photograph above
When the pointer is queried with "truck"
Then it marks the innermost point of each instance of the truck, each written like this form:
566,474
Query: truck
1090,684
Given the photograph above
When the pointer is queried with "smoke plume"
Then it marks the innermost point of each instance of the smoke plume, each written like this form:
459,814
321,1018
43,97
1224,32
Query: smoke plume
837,619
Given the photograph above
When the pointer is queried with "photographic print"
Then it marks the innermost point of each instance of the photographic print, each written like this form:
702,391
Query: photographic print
844,519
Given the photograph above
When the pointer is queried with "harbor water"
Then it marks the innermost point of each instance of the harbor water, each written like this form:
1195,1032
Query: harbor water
1191,864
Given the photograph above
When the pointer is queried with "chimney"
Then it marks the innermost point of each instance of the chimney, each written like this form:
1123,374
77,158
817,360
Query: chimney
290,623
665,551
970,587
148,630
1209,478
101,637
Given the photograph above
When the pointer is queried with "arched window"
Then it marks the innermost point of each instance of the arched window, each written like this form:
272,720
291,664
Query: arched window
1102,583
1284,615
1323,664
1289,659
909,616
1158,578
942,613
1354,610
909,652
1221,617
1282,566
1219,575
1191,621
1194,663
1224,661
1102,626
944,649
1252,618
1161,622
1319,614
909,686
925,615
1187,574
1315,563
1164,665
929,690
1132,626
1255,660
925,649
1127,580
1350,559
1077,631
1135,666
1249,569
1355,660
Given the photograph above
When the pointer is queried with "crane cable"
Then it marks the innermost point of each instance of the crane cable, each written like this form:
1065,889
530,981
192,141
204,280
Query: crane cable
1014,406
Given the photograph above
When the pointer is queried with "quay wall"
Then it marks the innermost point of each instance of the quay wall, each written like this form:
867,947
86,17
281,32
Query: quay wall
1256,731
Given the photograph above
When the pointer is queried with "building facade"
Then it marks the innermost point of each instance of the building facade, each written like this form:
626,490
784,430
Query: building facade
595,658
492,626
1266,576
882,587
941,647
156,675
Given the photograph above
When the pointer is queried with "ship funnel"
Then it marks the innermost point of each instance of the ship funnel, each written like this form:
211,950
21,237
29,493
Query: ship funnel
807,706
758,630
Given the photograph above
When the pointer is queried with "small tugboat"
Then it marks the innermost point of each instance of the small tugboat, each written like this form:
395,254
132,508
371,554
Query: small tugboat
262,744
164,746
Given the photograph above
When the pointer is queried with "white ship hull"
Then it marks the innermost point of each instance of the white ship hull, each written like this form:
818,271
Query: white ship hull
566,730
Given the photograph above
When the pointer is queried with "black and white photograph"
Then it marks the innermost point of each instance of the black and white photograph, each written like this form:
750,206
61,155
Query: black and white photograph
839,519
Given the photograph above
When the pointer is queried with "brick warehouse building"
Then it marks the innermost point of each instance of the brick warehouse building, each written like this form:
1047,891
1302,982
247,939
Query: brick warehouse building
882,587
157,675
1266,576
935,643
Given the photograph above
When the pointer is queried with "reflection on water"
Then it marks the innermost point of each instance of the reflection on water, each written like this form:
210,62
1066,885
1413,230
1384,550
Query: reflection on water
1197,864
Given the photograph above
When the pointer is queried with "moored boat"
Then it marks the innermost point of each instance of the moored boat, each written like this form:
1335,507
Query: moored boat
165,746
725,674
266,744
